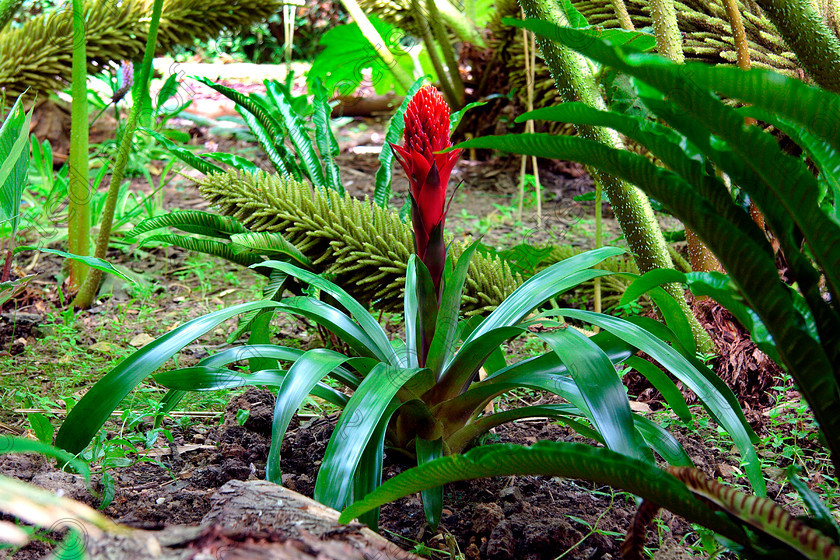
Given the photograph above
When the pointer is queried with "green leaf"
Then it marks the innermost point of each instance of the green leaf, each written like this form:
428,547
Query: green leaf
90,413
267,243
14,169
443,344
183,154
235,161
324,138
191,221
93,262
299,381
10,444
432,498
570,460
382,184
297,133
540,288
420,311
664,385
41,426
203,378
336,323
455,118
595,376
728,414
354,429
373,329
279,156
206,246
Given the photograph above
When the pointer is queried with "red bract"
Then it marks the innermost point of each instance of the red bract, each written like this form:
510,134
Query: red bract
427,132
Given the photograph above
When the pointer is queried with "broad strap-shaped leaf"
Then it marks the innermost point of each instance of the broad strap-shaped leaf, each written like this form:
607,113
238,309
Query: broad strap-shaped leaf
90,413
382,184
483,341
14,162
203,378
365,320
356,425
297,133
730,416
299,381
275,352
336,322
433,497
420,310
539,288
10,444
93,262
368,474
598,381
571,460
324,138
191,221
662,383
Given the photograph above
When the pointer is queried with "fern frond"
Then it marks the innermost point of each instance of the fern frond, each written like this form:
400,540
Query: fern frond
364,247
205,246
191,221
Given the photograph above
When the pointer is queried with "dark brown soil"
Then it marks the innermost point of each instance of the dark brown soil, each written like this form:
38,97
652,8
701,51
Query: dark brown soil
521,517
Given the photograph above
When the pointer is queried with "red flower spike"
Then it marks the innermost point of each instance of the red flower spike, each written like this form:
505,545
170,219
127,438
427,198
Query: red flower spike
427,132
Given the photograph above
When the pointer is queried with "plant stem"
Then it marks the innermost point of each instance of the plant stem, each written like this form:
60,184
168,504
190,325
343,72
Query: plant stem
575,82
88,291
805,32
622,15
431,48
442,38
739,35
669,44
8,9
666,30
378,44
78,216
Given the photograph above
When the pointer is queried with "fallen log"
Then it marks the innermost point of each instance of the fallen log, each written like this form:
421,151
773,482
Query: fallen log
253,520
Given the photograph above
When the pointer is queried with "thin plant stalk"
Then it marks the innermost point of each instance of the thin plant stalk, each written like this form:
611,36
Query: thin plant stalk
575,81
669,44
622,15
87,293
377,43
530,50
440,35
431,49
78,220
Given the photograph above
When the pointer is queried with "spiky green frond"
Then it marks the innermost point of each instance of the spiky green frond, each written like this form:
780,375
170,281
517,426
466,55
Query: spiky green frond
191,221
37,55
364,247
206,246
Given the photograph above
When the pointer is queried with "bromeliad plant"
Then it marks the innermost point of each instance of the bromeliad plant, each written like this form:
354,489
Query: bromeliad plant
796,323
424,396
